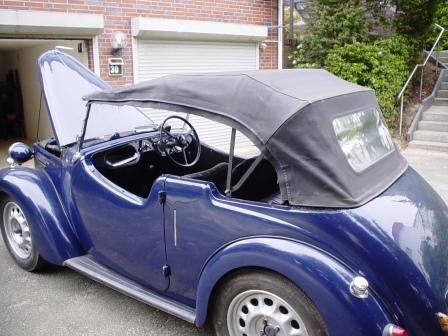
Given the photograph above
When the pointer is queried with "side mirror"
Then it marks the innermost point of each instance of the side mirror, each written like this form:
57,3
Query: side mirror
19,153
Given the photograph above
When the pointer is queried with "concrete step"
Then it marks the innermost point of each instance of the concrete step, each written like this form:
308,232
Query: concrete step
432,136
435,108
442,93
444,86
434,115
441,101
443,59
429,145
433,126
442,53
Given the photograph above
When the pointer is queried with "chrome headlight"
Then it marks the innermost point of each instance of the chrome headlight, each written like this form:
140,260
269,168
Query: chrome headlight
19,153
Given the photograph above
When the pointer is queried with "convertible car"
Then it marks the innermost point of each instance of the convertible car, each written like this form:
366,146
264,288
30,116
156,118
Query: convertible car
325,230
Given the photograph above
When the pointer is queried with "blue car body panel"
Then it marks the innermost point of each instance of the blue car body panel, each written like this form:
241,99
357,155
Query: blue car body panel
320,250
51,228
124,232
397,241
324,279
363,238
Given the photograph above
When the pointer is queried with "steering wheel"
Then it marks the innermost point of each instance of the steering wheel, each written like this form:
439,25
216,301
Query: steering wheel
172,144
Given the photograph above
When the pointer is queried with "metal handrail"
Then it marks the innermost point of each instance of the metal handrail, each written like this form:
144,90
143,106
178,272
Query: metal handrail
401,94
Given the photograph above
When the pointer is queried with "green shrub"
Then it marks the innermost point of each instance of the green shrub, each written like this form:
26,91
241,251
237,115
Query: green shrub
376,65
402,46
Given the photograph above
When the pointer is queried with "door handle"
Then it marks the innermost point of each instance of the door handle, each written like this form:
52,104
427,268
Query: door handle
124,162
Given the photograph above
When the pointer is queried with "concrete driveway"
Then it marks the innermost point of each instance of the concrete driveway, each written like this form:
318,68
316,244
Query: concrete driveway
62,302
432,165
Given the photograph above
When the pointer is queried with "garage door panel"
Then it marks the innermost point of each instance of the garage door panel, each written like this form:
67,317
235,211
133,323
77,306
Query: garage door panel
160,58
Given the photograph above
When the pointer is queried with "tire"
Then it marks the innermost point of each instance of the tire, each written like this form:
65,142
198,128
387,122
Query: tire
18,236
260,303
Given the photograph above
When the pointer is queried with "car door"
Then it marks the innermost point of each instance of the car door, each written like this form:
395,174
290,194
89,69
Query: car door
121,230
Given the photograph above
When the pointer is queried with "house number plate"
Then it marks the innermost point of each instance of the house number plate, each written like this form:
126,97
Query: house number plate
116,66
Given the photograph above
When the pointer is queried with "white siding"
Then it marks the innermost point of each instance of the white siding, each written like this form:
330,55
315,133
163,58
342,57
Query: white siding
158,58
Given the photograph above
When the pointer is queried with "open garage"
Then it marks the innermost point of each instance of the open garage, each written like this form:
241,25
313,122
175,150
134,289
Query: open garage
21,110
24,36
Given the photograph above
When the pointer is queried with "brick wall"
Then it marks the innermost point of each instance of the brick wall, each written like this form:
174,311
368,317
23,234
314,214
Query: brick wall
118,14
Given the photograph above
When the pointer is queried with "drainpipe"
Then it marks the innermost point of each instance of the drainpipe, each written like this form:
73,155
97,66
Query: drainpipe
280,35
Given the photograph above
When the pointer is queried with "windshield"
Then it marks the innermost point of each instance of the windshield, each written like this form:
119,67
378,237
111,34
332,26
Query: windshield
106,120
363,137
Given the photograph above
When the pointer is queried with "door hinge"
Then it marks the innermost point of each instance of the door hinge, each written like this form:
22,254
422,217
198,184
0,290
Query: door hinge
166,270
162,197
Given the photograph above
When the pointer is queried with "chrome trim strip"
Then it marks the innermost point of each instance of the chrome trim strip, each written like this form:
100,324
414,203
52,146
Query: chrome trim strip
175,227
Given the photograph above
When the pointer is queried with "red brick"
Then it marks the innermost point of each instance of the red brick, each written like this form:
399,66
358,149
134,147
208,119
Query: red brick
118,14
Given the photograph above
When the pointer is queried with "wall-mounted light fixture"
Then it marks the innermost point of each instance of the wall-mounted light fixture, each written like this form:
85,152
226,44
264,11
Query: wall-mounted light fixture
119,41
263,46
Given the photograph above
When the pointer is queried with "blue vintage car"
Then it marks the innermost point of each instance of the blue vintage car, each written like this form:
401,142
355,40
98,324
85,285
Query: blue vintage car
325,231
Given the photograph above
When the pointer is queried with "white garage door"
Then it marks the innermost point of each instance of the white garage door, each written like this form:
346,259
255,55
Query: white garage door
160,58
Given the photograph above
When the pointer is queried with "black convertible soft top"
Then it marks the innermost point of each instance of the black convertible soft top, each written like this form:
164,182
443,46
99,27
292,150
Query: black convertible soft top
288,114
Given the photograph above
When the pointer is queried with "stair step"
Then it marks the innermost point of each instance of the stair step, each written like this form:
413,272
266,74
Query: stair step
436,108
88,266
434,115
443,53
443,59
441,101
444,86
431,136
433,126
442,93
429,145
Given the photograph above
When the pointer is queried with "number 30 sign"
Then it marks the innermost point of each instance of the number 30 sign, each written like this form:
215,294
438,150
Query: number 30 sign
116,66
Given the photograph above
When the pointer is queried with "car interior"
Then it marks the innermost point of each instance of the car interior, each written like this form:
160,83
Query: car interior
136,165
212,166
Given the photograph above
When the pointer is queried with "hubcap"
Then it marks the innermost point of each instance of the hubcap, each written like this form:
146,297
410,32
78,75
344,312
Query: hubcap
17,230
257,312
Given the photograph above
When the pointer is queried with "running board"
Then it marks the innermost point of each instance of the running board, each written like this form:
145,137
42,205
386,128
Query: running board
91,268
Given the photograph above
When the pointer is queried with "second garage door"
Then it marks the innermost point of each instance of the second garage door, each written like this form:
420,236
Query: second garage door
157,58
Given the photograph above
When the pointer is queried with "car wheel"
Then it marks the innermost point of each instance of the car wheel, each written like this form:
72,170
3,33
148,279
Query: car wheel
17,235
264,304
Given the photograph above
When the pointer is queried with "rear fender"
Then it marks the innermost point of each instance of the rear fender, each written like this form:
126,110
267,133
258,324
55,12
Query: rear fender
325,280
35,193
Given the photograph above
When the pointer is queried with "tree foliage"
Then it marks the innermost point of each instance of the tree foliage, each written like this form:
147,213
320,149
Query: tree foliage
440,17
334,24
414,18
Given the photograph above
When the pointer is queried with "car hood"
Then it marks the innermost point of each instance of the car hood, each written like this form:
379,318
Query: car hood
65,81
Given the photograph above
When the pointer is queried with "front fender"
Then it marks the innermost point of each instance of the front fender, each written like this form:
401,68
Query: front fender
325,280
35,193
